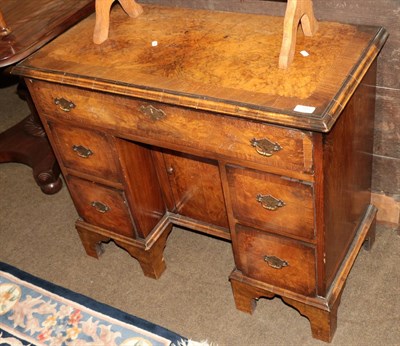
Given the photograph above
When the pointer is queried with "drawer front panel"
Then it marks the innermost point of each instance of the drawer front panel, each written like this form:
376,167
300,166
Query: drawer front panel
101,206
271,202
85,151
274,146
276,260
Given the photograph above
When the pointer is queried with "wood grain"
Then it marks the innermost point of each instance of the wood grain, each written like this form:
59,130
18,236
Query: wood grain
174,130
117,218
347,186
35,23
187,136
100,34
298,276
297,12
196,188
171,72
4,29
101,161
368,12
295,218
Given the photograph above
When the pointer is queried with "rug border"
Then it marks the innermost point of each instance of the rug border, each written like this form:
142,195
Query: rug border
94,304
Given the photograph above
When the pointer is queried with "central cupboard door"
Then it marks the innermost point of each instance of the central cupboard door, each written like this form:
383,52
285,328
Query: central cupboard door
196,188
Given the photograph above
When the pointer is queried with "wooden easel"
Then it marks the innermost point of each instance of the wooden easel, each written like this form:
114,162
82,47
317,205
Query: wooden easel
297,11
131,7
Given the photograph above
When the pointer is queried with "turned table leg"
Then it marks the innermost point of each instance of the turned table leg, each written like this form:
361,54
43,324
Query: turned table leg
297,11
131,7
27,143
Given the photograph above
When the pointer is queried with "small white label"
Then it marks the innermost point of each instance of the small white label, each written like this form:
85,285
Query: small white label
304,109
154,43
304,53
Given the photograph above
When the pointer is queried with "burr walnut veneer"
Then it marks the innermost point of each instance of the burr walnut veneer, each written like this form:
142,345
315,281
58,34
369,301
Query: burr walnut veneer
182,117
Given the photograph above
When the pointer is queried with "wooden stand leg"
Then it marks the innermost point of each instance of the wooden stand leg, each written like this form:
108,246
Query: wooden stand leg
297,11
26,143
131,7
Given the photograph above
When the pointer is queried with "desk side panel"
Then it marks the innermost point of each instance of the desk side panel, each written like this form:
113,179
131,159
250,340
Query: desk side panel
347,173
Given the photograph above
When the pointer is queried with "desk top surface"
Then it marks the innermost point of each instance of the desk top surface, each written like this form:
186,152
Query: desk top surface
217,61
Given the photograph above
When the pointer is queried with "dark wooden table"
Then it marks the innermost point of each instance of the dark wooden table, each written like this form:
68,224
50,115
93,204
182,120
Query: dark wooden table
32,24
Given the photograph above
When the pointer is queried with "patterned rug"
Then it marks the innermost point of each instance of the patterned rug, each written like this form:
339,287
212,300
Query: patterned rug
37,312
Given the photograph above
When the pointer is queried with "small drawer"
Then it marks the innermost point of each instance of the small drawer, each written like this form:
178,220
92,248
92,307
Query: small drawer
275,203
101,206
85,151
178,127
276,260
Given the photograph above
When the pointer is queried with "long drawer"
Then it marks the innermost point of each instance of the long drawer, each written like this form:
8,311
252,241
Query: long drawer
276,260
273,146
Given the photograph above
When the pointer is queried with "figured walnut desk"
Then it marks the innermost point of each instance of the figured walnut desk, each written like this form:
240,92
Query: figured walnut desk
201,131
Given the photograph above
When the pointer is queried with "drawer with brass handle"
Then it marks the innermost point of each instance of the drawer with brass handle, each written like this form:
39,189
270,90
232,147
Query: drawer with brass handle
276,260
101,206
275,203
86,151
189,130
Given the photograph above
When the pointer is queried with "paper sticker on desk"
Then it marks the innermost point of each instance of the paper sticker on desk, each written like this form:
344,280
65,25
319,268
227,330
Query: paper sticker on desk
304,109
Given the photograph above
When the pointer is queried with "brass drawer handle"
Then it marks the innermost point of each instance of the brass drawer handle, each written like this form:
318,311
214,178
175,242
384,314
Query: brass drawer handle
100,207
64,104
265,147
152,112
82,151
275,262
269,202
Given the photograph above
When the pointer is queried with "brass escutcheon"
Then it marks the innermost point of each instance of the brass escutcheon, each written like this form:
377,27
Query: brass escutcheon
269,202
82,151
275,262
64,104
152,112
100,207
265,147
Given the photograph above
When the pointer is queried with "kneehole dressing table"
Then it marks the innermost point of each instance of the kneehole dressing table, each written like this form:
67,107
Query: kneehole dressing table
203,130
